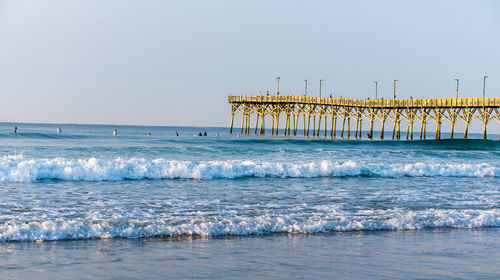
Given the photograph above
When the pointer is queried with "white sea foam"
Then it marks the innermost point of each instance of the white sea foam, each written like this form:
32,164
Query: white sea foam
134,228
21,169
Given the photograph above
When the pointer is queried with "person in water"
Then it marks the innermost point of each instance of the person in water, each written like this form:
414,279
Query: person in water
59,130
115,132
149,134
205,134
15,129
176,134
199,134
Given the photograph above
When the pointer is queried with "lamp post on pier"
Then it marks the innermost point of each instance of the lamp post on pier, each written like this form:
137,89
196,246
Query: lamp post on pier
320,87
305,91
484,84
278,85
395,89
457,87
376,87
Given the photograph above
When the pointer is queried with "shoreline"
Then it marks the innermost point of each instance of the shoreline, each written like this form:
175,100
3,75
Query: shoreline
430,254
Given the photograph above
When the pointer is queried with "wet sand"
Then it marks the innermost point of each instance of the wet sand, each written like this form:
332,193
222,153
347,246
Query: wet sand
429,254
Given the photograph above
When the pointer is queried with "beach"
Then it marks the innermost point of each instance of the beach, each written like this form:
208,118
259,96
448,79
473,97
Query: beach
422,254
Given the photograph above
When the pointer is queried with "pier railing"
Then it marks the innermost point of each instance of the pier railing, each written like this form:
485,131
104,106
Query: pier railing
379,103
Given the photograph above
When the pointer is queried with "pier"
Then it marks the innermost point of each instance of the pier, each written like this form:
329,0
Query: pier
332,113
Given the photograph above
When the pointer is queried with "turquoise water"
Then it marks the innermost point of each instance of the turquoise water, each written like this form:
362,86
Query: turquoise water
85,184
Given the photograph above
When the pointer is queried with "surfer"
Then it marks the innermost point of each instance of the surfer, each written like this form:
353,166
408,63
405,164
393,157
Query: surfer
15,129
115,132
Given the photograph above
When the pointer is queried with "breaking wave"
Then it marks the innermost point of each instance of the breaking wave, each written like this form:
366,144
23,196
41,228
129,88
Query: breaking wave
19,169
135,228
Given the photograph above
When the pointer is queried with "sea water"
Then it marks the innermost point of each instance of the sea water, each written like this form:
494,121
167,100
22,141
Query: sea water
362,202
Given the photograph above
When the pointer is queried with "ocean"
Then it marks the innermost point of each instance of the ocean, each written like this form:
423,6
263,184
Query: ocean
89,205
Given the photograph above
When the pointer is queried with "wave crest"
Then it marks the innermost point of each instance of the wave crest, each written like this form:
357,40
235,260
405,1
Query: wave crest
19,169
136,228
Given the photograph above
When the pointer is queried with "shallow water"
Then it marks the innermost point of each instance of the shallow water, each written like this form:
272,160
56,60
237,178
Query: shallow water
86,184
422,254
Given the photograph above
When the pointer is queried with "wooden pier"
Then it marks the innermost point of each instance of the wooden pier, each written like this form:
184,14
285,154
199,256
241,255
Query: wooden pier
333,112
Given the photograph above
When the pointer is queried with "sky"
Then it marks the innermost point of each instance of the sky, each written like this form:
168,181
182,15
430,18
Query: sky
174,62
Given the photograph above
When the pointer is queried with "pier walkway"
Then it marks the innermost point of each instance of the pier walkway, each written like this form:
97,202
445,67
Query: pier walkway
333,110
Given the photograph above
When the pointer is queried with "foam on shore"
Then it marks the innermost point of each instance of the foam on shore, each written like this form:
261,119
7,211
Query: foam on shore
208,226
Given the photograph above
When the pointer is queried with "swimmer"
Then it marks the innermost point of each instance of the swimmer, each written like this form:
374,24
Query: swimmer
176,134
115,132
59,130
149,134
15,129
199,134
205,134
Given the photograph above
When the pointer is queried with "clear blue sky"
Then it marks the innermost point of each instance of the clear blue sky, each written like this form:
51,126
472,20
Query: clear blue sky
174,62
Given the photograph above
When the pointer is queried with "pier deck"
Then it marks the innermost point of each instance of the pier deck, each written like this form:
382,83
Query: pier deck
330,110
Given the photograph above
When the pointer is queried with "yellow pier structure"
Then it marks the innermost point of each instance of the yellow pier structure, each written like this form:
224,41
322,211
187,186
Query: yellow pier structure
340,111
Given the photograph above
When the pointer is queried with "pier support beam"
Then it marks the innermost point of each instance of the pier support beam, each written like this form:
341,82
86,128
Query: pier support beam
333,132
304,124
263,121
289,119
372,118
232,119
384,118
277,122
396,124
357,127
453,120
398,133
360,126
314,125
295,118
412,120
256,123
343,124
485,122
243,120
468,119
272,123
349,126
319,125
425,129
438,124
287,124
247,128
422,120
308,123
